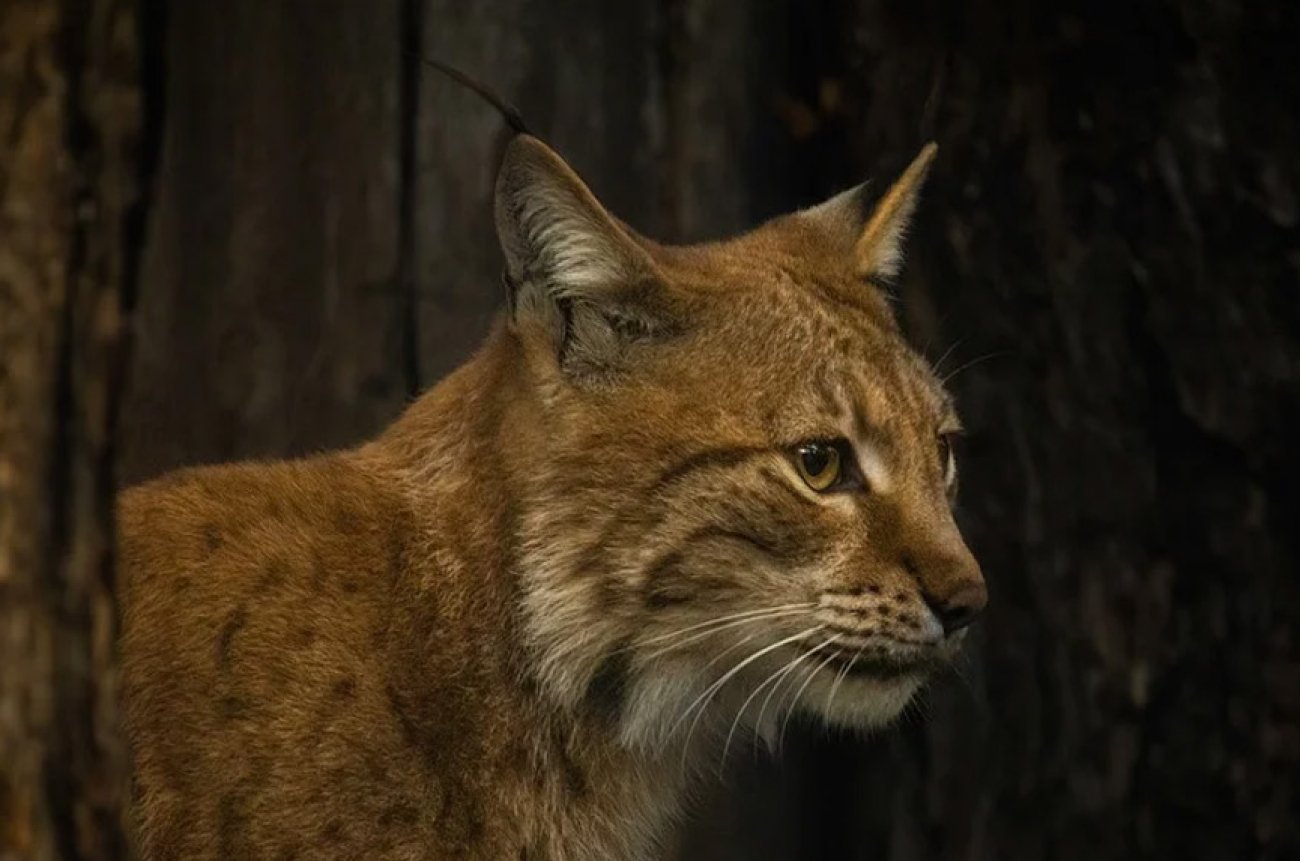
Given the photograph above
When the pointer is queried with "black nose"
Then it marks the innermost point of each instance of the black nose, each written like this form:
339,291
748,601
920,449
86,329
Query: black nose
959,609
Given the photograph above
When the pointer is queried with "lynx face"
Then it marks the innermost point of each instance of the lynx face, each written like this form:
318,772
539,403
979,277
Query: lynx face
737,481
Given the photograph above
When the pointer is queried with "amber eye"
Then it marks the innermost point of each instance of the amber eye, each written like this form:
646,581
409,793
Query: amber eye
819,463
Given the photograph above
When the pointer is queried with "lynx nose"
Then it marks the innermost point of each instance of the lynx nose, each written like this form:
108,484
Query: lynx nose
959,609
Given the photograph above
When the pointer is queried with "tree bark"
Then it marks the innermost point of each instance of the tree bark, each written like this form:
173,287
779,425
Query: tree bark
69,109
271,295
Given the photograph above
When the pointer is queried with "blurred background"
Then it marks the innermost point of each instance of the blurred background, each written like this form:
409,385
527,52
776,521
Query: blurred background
269,227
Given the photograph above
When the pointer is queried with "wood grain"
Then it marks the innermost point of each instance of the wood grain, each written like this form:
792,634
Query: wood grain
69,104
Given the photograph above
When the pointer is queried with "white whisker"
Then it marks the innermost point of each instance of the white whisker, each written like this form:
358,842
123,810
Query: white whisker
972,363
938,366
803,605
735,623
840,676
794,701
780,672
790,668
698,706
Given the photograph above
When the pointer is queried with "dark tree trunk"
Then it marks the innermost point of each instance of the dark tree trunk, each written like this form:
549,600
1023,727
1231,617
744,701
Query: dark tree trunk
68,108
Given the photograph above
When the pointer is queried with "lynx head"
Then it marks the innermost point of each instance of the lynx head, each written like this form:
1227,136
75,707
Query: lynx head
737,486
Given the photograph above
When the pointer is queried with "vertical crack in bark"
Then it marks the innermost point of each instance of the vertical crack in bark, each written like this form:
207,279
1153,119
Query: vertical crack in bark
671,35
410,38
60,593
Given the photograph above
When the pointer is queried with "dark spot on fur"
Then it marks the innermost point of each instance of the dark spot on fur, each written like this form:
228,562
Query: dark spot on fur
273,576
304,637
211,538
410,732
872,589
273,508
395,557
660,596
398,814
593,564
607,690
376,770
346,521
258,774
231,822
288,853
351,585
848,591
333,831
445,806
575,780
183,584
900,597
234,623
231,707
459,818
530,685
319,573
665,566
345,688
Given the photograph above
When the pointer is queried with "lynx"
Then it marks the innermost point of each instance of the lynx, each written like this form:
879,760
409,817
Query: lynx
679,494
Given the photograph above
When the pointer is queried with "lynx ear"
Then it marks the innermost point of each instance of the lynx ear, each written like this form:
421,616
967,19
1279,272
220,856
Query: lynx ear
879,250
552,227
569,260
877,238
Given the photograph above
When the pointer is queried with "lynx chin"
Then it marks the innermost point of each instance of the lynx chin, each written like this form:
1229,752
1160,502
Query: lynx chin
679,494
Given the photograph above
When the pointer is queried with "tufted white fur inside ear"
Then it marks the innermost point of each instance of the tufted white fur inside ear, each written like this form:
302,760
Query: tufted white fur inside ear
573,268
552,227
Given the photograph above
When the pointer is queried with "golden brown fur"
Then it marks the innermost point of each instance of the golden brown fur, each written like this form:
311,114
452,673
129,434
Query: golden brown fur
502,629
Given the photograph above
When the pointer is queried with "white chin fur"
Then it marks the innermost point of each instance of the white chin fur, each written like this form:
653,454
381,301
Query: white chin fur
652,720
859,703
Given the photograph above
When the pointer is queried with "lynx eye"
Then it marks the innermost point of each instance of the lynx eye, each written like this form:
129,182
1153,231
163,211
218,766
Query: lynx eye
819,464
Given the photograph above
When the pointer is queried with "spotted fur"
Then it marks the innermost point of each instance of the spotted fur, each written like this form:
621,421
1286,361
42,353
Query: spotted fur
517,623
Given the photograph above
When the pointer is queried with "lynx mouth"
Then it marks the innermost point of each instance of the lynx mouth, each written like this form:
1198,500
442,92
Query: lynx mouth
881,663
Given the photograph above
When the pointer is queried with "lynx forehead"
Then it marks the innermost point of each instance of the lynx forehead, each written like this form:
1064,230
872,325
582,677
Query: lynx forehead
681,493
